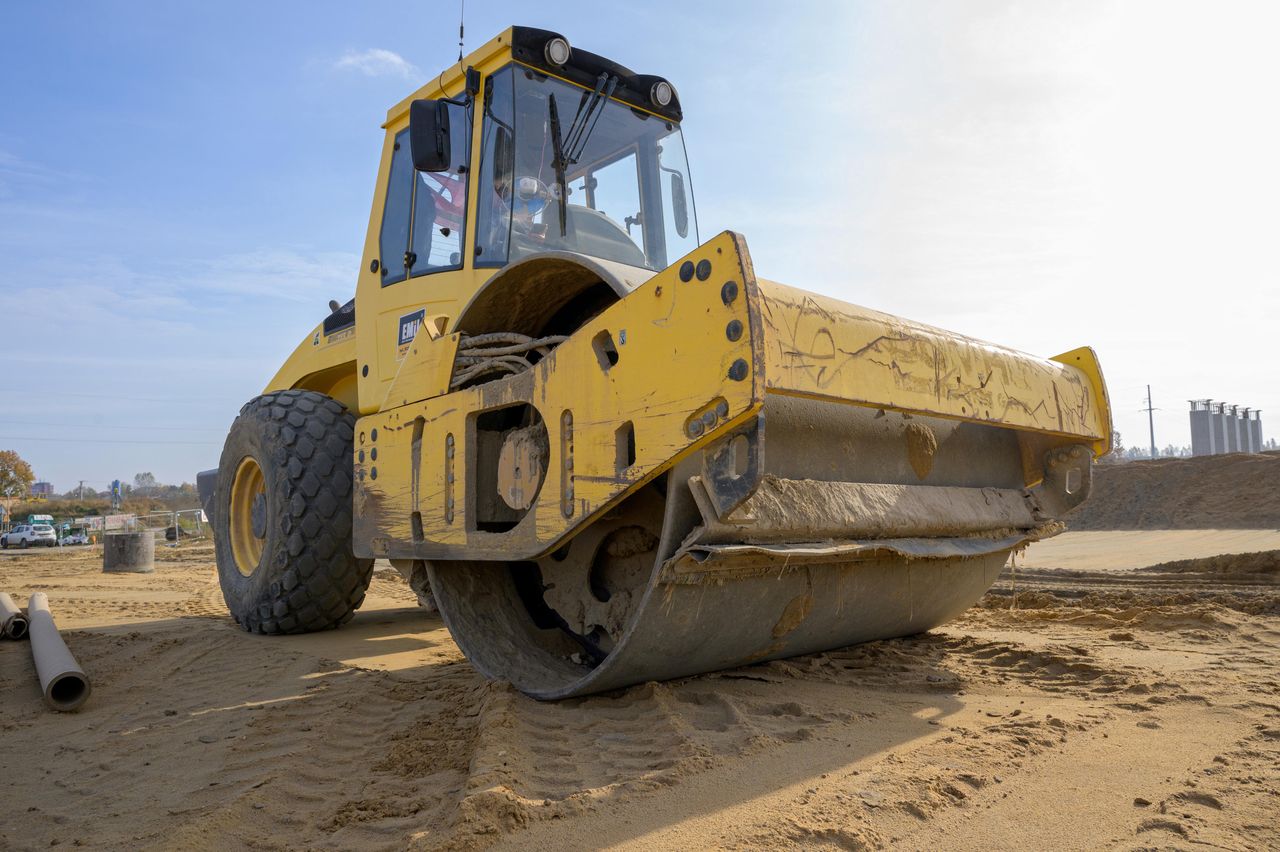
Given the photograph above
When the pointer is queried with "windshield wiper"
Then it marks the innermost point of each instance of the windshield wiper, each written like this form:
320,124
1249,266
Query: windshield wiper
558,162
584,122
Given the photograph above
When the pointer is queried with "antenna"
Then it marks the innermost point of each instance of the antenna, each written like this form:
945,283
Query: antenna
1151,423
462,14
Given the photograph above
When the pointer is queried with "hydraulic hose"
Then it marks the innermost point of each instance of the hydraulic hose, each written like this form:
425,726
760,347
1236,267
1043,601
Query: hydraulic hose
502,353
62,681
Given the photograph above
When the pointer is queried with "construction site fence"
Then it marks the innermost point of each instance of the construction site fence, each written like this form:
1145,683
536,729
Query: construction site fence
170,525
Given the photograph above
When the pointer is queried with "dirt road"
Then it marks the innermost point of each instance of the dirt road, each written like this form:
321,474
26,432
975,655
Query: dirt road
1086,710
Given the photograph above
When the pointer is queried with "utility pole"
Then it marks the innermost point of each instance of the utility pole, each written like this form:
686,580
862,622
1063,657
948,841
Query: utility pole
80,492
1151,422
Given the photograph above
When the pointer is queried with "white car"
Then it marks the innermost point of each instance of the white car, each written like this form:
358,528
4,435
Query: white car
74,538
25,535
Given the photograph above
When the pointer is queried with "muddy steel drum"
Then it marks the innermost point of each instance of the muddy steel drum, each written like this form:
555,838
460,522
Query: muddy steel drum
587,618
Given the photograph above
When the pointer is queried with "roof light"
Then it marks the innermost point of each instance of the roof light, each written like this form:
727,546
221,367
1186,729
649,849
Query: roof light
556,51
661,93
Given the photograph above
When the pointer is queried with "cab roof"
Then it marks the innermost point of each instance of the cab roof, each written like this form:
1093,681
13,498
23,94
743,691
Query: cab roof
526,45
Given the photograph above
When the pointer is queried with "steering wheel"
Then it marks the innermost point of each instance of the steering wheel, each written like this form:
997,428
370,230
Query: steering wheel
530,198
532,194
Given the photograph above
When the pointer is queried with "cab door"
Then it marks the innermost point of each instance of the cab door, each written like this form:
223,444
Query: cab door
421,251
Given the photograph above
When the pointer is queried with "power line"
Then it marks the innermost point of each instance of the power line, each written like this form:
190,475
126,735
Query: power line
122,398
103,441
110,426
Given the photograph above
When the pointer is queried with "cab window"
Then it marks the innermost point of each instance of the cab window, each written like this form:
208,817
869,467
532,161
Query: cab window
613,189
395,213
497,160
561,170
425,213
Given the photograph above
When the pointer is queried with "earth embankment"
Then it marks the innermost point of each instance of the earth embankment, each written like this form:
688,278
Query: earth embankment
1237,491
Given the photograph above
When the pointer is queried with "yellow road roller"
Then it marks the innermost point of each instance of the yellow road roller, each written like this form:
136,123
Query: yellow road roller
606,450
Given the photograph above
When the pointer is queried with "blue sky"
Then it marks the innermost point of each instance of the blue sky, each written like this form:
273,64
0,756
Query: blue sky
183,186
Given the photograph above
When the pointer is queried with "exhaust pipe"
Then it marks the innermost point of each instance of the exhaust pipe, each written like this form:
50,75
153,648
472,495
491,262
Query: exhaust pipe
62,681
13,623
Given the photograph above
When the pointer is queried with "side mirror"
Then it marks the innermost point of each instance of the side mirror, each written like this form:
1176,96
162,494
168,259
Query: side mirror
429,135
679,204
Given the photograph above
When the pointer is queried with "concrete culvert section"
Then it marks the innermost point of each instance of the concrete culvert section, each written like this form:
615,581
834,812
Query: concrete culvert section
67,691
17,628
13,623
63,682
129,553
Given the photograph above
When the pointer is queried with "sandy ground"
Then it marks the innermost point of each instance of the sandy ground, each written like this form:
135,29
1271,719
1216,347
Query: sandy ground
1071,709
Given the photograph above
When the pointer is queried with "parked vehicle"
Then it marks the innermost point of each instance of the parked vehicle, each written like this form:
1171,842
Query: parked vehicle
25,535
76,535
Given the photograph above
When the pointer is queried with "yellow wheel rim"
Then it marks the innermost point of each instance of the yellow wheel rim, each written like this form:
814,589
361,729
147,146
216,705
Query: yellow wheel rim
248,497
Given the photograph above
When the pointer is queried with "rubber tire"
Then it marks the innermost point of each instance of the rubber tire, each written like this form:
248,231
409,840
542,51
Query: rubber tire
25,544
308,578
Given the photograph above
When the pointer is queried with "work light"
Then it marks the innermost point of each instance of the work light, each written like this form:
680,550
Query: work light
660,93
556,51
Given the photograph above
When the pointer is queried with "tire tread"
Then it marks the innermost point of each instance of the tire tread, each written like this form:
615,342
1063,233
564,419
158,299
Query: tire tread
317,582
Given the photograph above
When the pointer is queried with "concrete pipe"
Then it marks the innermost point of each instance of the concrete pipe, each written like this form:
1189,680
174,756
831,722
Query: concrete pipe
129,552
62,681
13,623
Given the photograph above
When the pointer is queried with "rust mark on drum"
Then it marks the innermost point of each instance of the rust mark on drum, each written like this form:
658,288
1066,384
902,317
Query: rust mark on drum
764,653
797,610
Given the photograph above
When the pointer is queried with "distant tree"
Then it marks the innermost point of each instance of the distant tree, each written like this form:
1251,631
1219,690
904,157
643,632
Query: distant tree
144,482
16,475
1117,450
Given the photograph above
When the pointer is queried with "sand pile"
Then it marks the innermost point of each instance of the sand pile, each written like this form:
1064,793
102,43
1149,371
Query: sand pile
1262,567
1239,491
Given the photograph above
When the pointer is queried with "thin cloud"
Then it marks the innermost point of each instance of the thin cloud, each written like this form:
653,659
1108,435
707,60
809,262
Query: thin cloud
15,170
377,62
279,274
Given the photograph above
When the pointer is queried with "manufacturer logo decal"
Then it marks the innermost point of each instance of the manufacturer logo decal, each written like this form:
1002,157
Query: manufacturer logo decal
409,324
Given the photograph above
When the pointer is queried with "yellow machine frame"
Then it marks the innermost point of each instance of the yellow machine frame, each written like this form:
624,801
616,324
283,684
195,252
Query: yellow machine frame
697,348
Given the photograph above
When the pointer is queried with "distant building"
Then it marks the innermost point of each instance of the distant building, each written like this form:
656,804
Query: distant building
42,489
1218,428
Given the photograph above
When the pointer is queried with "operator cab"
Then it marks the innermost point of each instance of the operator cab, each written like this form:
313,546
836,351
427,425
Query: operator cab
564,162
